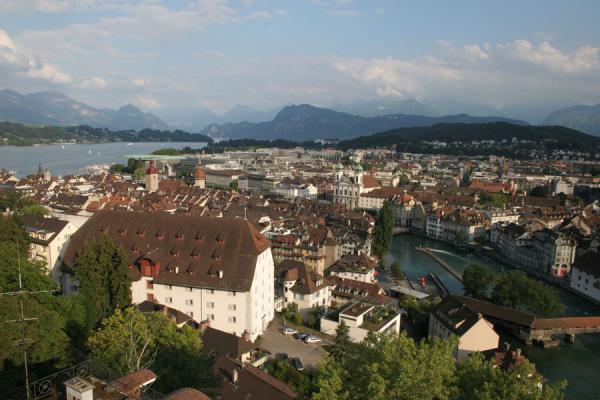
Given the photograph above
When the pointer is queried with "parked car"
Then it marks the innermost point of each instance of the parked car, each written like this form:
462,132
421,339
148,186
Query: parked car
288,331
301,336
310,339
297,364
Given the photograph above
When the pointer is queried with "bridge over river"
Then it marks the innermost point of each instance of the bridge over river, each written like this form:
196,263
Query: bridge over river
529,327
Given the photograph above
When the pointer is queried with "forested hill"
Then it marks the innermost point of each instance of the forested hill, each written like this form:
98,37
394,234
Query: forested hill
476,139
24,135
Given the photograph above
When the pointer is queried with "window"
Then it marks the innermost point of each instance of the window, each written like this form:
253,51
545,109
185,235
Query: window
211,317
188,289
168,300
231,293
169,287
191,314
212,291
189,302
210,304
231,319
232,307
149,285
150,297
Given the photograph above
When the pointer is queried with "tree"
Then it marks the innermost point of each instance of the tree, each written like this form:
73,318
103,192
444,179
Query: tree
15,201
478,379
384,230
492,200
515,290
117,168
129,340
50,342
384,366
139,173
397,272
404,180
341,344
166,152
393,366
103,275
477,280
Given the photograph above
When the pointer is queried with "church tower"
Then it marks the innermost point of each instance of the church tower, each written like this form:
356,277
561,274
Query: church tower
199,178
152,177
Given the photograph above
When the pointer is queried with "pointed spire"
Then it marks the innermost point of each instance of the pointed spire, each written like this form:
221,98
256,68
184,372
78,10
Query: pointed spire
40,170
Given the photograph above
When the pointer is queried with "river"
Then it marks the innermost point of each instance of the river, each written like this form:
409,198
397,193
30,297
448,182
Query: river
70,158
578,363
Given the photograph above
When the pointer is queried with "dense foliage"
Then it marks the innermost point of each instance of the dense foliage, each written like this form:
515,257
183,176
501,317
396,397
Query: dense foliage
384,230
25,135
101,269
57,317
396,367
492,200
477,280
460,138
129,340
514,289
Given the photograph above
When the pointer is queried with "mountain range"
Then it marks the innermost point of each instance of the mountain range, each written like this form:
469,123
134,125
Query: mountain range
582,118
306,122
55,108
298,122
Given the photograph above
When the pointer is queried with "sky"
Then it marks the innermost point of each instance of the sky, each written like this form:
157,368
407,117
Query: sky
183,54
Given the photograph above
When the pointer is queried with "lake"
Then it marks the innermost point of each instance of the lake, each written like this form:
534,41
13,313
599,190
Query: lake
70,158
578,363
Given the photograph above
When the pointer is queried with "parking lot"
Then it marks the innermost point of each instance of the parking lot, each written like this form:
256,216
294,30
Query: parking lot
273,341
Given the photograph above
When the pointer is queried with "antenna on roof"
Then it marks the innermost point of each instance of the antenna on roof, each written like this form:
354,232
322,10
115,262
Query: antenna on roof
23,342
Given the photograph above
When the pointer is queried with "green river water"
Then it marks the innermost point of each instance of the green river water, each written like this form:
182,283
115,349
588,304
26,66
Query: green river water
578,363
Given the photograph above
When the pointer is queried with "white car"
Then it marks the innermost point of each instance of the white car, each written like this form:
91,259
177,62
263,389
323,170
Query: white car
312,339
288,331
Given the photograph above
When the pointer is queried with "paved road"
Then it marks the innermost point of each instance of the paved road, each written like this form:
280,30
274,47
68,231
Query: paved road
273,341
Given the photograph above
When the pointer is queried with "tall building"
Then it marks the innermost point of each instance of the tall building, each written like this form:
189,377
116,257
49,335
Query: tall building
152,177
199,178
215,269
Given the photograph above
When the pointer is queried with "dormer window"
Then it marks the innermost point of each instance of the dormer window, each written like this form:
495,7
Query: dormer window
179,235
159,234
199,236
141,232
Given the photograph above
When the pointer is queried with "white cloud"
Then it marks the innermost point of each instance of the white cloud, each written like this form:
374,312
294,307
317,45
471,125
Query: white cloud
26,65
544,54
51,6
94,83
146,102
517,72
139,82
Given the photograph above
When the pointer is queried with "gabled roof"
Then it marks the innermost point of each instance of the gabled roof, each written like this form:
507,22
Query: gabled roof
35,222
217,343
250,383
194,251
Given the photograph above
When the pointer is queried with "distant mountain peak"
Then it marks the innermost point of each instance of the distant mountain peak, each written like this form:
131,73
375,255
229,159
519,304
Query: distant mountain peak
56,108
582,118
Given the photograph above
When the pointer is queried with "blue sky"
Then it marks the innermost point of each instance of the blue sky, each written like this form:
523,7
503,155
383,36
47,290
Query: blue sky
165,55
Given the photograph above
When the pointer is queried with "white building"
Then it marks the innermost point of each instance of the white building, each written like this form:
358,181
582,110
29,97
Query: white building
302,285
585,275
474,332
362,318
350,184
48,239
216,269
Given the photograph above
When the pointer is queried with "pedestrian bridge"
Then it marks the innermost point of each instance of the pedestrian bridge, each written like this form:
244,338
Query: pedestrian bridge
529,327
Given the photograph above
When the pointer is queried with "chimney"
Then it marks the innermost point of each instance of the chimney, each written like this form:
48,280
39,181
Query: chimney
176,270
204,325
246,336
220,274
234,375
